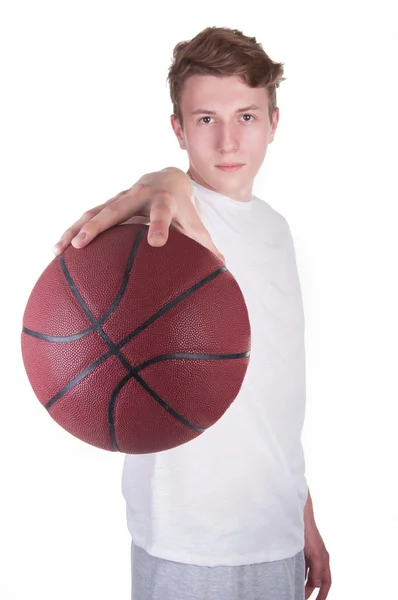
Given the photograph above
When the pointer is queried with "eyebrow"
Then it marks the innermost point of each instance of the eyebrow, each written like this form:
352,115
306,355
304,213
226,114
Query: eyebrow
200,111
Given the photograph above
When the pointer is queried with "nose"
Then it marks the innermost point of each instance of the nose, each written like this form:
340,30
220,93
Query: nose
228,139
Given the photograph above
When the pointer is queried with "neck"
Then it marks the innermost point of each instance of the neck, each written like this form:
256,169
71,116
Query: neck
240,194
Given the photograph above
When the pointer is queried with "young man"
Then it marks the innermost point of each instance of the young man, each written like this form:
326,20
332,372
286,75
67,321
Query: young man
228,515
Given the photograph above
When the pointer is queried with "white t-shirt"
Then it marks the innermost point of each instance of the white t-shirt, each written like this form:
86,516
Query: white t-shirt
235,494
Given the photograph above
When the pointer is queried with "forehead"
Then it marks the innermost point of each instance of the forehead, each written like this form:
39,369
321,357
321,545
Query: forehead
220,94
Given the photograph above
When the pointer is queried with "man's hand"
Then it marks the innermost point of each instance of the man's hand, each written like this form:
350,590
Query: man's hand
316,557
161,199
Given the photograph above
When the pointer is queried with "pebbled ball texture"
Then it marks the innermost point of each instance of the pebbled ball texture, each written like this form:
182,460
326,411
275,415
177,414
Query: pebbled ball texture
132,348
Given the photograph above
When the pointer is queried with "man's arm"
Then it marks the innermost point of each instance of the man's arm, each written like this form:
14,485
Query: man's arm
309,510
163,198
316,556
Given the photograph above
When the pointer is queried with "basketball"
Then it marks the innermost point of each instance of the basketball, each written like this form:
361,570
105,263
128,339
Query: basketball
133,348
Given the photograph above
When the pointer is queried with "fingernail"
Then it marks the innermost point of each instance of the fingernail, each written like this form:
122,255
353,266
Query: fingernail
156,239
56,247
80,237
317,583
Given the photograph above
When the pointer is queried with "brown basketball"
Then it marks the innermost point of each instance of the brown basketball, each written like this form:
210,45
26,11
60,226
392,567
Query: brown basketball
133,348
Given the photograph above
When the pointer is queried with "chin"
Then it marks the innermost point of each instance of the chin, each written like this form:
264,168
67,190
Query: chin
232,179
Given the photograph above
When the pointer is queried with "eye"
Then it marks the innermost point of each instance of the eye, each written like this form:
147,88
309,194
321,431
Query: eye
251,118
247,115
204,118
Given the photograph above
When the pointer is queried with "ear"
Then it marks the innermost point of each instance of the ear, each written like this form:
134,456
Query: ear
175,123
274,125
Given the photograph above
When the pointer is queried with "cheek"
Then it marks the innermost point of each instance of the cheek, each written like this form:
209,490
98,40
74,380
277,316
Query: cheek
257,143
198,142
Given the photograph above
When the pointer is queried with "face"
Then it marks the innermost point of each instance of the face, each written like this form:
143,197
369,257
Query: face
224,122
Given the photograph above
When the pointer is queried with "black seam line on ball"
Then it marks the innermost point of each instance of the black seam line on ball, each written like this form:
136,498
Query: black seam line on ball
115,348
126,276
111,406
155,396
57,338
78,377
90,316
144,365
166,406
189,356
76,336
170,305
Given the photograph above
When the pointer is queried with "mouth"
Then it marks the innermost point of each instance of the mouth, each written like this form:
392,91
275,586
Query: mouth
230,166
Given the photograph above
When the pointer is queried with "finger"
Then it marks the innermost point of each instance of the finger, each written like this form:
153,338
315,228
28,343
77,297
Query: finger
119,195
323,592
316,570
72,231
112,213
137,219
87,224
160,221
308,591
325,585
312,582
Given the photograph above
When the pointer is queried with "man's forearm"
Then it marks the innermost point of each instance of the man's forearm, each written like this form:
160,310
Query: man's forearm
309,517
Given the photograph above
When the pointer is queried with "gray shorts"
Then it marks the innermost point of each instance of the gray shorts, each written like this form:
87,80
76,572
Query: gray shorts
158,579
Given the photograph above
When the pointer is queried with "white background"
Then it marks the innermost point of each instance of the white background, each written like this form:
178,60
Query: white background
84,112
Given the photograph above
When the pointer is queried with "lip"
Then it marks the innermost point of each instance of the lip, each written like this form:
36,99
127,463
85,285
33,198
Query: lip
230,166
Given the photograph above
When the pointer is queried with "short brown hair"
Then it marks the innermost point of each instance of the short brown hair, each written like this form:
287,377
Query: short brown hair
222,51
